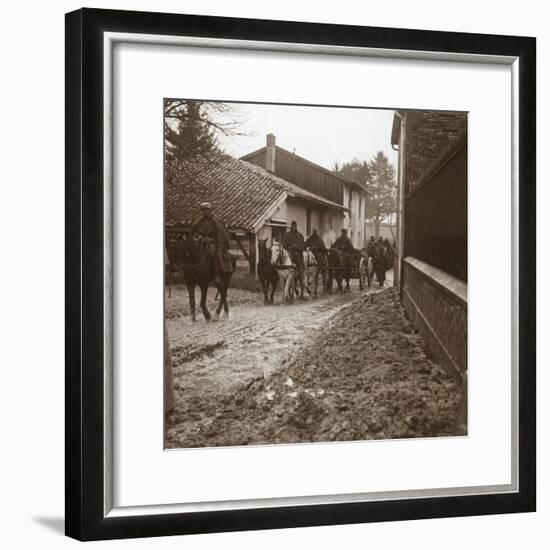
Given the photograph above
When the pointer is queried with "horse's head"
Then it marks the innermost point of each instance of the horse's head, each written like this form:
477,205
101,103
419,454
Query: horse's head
309,258
263,252
276,252
191,247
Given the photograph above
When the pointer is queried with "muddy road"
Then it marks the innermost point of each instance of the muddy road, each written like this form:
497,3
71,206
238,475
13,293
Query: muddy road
341,367
254,341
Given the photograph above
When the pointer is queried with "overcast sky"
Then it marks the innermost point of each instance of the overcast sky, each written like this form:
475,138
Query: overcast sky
323,135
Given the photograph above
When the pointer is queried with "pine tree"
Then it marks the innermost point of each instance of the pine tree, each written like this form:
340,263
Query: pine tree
355,170
382,186
378,175
188,132
191,130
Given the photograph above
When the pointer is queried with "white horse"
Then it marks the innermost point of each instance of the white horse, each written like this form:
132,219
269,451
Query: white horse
282,262
311,272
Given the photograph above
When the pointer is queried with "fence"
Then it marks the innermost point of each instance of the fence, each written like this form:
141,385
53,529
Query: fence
436,214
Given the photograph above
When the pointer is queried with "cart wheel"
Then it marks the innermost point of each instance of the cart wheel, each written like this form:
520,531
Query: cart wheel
370,276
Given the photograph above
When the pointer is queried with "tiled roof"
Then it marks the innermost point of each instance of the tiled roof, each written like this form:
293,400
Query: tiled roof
240,192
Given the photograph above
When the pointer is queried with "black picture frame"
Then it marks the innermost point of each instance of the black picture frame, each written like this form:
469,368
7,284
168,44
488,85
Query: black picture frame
84,493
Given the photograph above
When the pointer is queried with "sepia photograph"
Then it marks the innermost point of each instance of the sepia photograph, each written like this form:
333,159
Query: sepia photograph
316,270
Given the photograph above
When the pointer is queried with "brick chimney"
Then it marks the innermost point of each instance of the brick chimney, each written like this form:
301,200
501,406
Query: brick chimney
270,153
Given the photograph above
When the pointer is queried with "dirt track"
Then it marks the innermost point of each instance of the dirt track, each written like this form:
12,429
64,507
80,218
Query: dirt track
254,341
276,373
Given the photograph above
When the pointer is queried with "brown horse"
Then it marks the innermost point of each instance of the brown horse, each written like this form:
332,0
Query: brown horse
199,270
339,268
322,261
297,258
267,273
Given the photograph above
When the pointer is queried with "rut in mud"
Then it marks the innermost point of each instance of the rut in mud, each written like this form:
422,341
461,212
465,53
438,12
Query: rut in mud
345,367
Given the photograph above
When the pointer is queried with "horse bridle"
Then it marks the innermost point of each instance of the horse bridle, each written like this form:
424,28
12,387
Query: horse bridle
280,257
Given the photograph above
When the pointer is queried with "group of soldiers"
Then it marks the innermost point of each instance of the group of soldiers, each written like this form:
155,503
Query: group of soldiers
381,251
212,228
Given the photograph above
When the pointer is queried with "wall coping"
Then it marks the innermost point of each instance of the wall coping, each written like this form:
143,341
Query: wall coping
455,287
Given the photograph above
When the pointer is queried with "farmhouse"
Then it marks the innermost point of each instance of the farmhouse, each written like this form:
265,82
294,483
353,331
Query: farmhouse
323,183
433,229
253,203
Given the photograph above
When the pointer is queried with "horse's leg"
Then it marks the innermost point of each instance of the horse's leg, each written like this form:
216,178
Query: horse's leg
288,288
225,302
308,278
204,306
284,288
273,289
220,293
191,292
316,282
223,305
225,290
265,289
301,277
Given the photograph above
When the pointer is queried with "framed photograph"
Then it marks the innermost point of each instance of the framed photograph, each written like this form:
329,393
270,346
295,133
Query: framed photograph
300,274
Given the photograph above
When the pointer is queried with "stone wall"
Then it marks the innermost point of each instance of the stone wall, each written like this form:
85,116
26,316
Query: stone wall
438,306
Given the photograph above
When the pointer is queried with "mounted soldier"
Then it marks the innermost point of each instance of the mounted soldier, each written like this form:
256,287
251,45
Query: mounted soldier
371,248
293,241
214,234
343,243
316,244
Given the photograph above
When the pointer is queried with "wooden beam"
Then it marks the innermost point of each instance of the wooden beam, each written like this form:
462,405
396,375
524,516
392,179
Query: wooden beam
252,253
240,245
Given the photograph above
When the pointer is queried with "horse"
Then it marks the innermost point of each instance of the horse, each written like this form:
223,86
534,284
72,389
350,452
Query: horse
280,259
267,273
297,258
322,261
199,270
311,271
339,268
